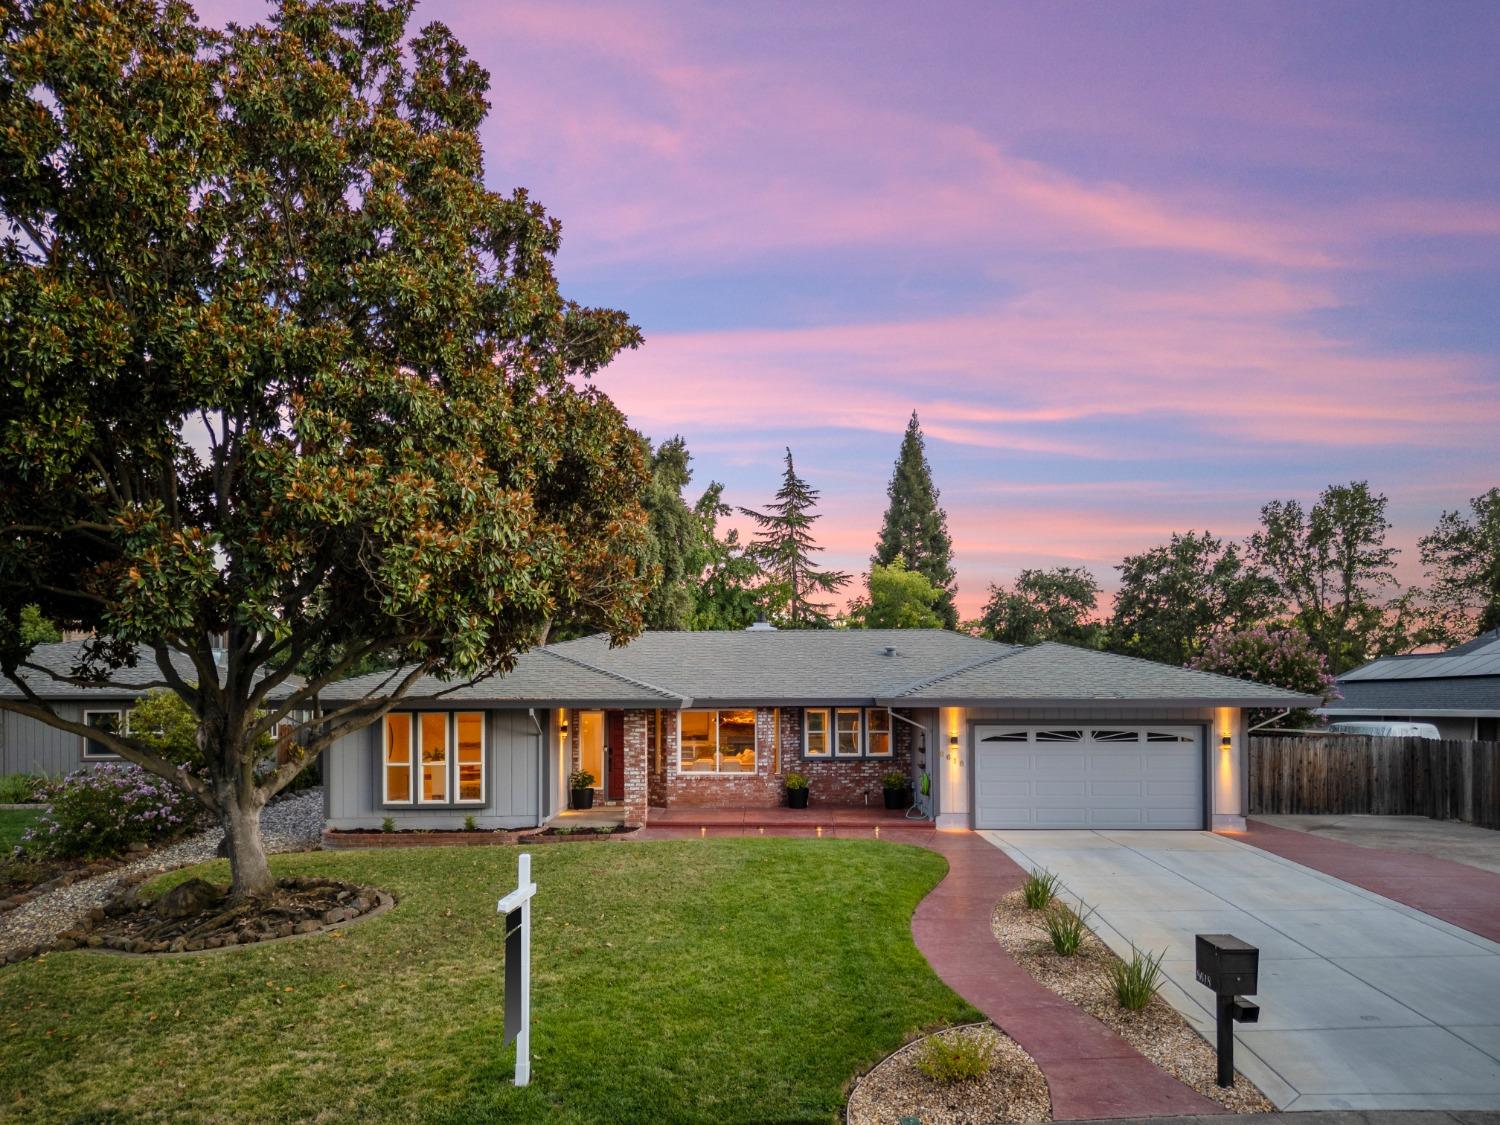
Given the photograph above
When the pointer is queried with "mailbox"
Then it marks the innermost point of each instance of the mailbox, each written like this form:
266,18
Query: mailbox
1227,965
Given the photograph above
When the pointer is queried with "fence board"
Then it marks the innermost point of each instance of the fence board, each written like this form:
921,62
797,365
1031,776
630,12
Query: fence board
1345,774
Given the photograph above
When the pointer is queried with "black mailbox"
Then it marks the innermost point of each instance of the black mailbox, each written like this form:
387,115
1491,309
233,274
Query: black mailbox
1227,965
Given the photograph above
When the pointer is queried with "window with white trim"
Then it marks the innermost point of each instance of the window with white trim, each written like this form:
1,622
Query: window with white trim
433,758
112,719
815,733
878,732
713,742
846,732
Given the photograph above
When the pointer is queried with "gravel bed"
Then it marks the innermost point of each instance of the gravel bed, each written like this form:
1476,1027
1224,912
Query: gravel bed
291,825
1013,1090
1157,1031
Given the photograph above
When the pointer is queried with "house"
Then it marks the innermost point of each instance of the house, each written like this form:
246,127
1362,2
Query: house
1458,691
29,745
1046,736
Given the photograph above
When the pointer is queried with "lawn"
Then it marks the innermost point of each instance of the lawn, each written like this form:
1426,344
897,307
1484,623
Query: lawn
728,980
13,822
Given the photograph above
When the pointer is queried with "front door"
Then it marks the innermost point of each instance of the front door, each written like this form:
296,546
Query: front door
614,741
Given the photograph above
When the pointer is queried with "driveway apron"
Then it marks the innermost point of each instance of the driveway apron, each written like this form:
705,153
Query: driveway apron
1366,1003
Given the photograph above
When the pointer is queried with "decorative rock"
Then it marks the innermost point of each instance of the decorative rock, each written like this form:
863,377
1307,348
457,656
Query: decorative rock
64,944
177,945
306,926
195,945
284,930
93,941
192,897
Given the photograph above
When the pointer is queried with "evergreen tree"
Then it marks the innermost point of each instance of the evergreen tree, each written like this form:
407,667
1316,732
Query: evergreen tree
916,528
728,585
676,551
898,599
784,548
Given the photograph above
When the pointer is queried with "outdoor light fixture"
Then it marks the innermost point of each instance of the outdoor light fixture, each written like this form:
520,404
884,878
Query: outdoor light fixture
1225,742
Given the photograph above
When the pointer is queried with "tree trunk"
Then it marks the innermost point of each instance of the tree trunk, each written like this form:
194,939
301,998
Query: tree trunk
250,874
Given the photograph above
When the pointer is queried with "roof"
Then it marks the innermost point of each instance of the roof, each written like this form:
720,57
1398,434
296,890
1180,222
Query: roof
813,667
62,657
1479,657
1053,673
1467,695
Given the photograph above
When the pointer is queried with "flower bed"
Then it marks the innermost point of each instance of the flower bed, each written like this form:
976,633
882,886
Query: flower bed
336,838
103,811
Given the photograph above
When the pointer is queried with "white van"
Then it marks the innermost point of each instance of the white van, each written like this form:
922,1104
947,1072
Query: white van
1382,729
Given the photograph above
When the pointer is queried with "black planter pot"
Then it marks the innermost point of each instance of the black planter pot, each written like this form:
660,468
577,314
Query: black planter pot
796,798
897,798
583,799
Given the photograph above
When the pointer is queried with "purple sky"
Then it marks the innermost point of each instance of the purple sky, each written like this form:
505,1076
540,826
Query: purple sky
1140,267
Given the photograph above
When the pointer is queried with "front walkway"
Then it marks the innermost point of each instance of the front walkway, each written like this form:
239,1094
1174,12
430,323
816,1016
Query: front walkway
1365,1003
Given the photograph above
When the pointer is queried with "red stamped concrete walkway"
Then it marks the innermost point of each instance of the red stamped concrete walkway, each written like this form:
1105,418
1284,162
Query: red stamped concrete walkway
1091,1072
1467,897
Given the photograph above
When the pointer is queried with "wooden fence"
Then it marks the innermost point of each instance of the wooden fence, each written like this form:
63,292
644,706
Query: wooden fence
1341,774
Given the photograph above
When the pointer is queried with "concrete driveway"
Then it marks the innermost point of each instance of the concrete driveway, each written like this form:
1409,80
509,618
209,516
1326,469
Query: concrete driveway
1365,1003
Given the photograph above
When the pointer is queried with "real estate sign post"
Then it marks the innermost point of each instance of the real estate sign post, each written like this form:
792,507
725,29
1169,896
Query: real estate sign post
516,906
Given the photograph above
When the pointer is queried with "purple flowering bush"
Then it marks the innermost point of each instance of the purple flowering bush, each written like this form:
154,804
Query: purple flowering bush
1270,654
102,811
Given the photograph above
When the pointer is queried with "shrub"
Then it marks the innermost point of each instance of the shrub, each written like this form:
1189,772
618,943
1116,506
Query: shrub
470,824
1065,927
581,779
22,788
954,1058
388,824
102,811
1040,889
796,781
894,780
1136,981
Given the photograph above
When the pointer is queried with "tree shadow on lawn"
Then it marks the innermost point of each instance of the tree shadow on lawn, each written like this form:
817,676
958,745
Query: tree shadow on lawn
713,980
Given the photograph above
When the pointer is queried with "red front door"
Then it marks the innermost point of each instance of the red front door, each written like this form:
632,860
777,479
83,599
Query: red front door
614,753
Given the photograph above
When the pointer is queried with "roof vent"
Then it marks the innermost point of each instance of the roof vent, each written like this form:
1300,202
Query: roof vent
890,650
761,625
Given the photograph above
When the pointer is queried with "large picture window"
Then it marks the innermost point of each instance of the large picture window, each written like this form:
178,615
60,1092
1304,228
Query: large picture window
111,719
714,742
433,758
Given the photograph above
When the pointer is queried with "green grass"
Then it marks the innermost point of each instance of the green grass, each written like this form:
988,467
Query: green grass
13,822
727,980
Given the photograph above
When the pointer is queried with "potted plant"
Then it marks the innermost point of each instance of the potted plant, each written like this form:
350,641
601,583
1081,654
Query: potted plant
897,790
581,782
796,791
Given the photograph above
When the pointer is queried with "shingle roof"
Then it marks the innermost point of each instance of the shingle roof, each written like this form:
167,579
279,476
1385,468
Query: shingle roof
924,667
1055,673
1466,695
62,657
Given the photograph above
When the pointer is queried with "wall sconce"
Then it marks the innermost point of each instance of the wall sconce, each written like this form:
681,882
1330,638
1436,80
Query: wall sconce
1225,742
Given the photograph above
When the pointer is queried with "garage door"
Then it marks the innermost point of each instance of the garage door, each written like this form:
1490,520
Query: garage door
1088,777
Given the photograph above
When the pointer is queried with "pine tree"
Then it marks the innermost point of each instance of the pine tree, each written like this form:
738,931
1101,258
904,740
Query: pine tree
784,548
916,528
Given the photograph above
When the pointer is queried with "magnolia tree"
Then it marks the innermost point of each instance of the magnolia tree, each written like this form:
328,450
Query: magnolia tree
1278,656
287,389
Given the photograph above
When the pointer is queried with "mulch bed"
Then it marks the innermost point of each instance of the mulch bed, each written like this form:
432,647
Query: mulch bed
43,875
194,916
1012,1091
1157,1031
555,835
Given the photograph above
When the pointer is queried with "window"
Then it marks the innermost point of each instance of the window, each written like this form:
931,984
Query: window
1008,736
1116,735
716,742
1059,736
469,726
433,758
846,732
878,732
398,758
113,720
1166,736
815,732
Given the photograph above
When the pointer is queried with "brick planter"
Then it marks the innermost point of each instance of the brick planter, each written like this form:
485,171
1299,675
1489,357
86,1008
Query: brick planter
374,838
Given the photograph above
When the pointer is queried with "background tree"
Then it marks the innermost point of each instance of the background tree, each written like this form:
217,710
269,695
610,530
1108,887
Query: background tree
1332,565
35,629
280,369
1176,596
1276,655
728,594
897,598
916,528
1045,605
784,548
676,551
1462,557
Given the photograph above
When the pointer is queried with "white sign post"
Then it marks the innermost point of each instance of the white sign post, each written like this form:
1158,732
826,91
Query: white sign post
516,907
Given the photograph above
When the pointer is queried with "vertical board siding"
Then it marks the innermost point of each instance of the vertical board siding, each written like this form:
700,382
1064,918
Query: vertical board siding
1336,775
29,745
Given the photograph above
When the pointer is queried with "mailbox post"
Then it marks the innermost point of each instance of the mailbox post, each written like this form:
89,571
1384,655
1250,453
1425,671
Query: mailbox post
1230,967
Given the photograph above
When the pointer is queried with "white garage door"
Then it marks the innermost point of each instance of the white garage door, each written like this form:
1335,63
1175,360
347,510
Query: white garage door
1068,776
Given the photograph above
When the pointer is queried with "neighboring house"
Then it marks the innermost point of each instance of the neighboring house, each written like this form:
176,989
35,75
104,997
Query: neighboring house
1046,736
29,745
1458,691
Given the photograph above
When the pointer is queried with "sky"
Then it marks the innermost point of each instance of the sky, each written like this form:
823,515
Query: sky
1139,268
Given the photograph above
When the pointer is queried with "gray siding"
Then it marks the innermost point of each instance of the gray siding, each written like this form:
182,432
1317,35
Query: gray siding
29,745
514,776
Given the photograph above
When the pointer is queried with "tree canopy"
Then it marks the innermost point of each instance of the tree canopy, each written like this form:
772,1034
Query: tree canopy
897,598
676,551
1045,605
1277,655
282,370
915,529
1462,557
784,548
